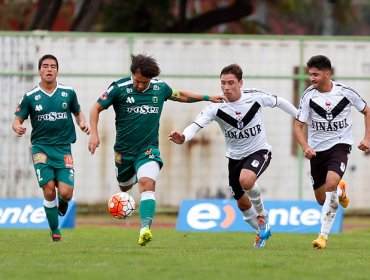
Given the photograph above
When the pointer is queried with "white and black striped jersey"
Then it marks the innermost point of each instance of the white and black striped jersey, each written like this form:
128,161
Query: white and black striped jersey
241,122
328,115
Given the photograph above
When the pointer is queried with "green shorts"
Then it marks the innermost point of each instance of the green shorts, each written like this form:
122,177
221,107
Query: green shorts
53,162
127,166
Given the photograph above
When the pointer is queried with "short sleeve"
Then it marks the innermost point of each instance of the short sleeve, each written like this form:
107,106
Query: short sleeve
303,109
108,97
23,110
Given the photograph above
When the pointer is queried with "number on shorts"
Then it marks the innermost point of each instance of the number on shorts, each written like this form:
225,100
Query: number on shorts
38,173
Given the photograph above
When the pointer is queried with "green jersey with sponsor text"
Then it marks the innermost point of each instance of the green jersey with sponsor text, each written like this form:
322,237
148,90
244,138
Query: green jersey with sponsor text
137,113
50,115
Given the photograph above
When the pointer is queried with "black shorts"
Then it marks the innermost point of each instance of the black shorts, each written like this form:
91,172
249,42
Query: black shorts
256,162
335,159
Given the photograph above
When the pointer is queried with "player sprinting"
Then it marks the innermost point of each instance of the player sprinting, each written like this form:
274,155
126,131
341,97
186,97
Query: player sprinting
138,101
247,149
50,106
325,108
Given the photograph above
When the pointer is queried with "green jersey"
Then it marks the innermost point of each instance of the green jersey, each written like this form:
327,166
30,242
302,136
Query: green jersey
137,113
50,115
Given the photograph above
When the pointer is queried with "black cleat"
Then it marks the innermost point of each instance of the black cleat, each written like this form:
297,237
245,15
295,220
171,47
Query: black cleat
62,207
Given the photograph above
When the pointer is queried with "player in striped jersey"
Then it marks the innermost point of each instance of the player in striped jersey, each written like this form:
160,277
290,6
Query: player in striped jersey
50,106
325,109
247,149
138,101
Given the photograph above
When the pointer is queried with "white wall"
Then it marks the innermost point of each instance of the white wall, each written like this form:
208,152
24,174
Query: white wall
89,63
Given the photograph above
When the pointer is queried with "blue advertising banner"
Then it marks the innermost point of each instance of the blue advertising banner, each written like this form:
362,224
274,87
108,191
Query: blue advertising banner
224,215
29,213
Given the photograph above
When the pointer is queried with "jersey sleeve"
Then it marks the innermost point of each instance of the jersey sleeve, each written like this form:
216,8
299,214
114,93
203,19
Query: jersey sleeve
303,109
75,106
264,98
206,116
356,100
23,109
286,106
108,97
168,91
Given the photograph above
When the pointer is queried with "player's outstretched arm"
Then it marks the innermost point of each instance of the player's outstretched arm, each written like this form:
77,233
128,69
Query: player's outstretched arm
191,97
17,126
176,137
365,143
186,135
286,106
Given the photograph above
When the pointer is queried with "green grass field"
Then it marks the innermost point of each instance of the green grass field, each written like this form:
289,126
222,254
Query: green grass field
111,252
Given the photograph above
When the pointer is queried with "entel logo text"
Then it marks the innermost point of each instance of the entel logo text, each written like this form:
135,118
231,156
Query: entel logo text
30,213
206,216
224,215
25,215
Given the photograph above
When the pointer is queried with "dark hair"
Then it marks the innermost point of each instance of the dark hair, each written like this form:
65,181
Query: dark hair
48,56
320,62
233,69
146,65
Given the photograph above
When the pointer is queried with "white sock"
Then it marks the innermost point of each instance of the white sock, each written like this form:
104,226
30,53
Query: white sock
250,216
328,212
49,204
254,195
339,192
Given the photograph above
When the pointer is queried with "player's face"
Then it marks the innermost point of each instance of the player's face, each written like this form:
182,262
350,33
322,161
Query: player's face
320,79
231,87
48,70
141,83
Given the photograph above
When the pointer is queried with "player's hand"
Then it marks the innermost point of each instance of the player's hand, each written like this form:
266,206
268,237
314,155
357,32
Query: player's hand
176,137
309,153
20,130
93,143
85,128
217,99
364,145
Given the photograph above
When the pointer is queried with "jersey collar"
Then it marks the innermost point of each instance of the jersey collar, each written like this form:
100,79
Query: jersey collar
48,94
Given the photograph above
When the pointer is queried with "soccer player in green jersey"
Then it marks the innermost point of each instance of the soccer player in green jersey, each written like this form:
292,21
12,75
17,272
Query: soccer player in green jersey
50,106
138,101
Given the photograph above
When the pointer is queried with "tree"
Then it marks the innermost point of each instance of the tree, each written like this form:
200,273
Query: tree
204,22
87,15
46,14
336,17
140,16
136,16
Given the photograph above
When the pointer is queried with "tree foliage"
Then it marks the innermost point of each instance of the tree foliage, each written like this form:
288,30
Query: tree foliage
137,16
87,14
181,16
46,14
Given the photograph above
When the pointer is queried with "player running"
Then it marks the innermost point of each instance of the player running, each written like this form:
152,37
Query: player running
325,108
138,101
50,106
247,149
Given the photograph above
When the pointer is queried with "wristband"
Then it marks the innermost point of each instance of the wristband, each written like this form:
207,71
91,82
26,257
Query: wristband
206,97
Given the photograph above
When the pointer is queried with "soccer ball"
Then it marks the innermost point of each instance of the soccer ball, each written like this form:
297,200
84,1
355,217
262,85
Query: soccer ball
121,205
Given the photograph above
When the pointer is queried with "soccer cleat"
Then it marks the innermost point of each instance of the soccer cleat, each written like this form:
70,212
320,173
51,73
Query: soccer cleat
260,242
343,200
145,235
264,232
320,242
56,237
62,207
